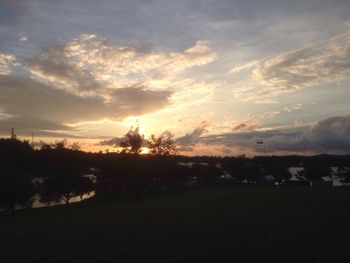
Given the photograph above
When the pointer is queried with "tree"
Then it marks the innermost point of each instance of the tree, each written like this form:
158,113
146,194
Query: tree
242,169
280,173
64,184
314,173
46,147
75,146
16,188
60,145
163,145
344,174
9,147
133,142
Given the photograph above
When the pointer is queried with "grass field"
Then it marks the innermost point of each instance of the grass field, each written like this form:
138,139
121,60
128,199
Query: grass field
219,224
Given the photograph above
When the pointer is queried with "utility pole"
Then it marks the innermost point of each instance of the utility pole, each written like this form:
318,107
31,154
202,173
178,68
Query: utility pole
13,135
33,140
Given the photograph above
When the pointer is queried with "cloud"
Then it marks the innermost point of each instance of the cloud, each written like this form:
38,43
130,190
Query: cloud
296,107
90,65
17,6
22,123
91,78
39,106
29,98
23,39
6,61
136,101
307,67
243,67
331,134
244,93
270,114
298,69
190,91
55,67
266,101
10,10
115,141
246,126
194,136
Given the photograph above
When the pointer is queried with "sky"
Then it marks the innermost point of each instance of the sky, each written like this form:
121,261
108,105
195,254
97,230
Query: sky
219,75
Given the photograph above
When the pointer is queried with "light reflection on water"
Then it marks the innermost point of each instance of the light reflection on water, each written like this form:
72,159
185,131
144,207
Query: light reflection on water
76,199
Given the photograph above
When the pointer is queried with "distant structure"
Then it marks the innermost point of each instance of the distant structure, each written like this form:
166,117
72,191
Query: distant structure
262,143
33,140
13,135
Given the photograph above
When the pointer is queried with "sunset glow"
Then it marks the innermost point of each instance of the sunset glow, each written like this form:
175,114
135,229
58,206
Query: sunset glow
174,131
220,78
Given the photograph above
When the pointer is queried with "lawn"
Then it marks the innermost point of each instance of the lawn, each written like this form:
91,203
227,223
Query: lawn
218,224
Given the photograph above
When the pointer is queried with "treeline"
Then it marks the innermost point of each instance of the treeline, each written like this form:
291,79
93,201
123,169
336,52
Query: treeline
59,173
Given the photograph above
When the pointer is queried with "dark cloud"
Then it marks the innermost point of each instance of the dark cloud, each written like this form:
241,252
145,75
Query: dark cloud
25,126
332,134
115,141
89,79
137,101
306,67
10,10
90,65
34,123
39,106
192,138
240,126
24,97
245,126
53,64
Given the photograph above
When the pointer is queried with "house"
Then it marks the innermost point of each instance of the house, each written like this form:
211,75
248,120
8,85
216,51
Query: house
297,177
336,179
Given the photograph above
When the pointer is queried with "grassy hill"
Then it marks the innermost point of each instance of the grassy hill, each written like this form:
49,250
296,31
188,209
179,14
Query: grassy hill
220,224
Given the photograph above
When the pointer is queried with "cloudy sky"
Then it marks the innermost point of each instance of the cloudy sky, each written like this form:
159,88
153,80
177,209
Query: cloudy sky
220,75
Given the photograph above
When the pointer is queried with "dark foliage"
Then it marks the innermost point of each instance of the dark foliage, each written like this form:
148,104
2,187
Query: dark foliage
16,188
64,170
163,145
133,142
344,174
279,173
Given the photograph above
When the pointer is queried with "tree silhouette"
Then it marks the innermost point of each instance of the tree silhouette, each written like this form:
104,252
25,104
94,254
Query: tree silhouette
314,173
279,172
16,188
133,142
60,145
75,146
64,184
344,174
163,145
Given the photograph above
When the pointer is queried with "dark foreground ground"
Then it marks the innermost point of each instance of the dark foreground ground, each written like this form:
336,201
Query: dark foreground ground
225,224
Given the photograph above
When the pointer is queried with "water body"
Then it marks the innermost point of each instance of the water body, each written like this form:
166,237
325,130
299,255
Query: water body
75,199
37,204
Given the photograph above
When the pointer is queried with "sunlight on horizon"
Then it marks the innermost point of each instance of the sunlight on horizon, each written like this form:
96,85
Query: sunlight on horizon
281,75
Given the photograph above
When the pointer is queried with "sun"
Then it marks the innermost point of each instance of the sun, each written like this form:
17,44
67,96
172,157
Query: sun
145,150
136,122
141,128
